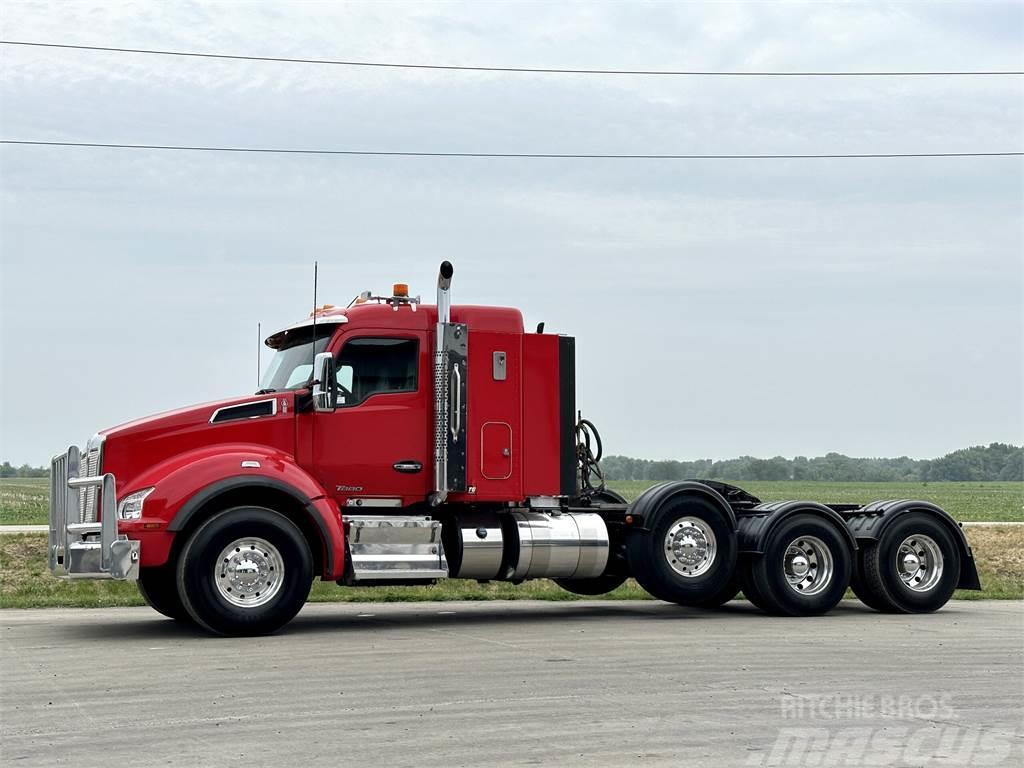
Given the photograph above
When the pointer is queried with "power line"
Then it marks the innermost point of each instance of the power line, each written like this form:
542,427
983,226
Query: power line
510,155
526,70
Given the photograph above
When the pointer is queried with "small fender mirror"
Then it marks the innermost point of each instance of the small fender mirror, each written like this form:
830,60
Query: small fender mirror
325,385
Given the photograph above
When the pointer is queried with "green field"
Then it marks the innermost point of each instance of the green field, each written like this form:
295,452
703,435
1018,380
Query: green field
24,501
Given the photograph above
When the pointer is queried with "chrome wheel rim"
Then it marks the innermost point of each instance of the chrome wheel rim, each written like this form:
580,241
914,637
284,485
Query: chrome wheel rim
690,547
919,563
808,564
249,572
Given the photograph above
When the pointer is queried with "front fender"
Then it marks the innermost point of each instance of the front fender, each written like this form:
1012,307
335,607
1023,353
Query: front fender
185,483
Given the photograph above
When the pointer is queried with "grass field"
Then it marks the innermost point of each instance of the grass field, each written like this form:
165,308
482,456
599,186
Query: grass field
24,501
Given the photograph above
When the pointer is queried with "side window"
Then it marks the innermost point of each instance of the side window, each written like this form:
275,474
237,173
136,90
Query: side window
372,365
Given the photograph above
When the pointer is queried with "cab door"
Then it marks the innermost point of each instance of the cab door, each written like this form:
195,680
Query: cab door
374,449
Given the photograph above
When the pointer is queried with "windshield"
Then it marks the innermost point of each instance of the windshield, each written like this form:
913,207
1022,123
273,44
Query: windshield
291,367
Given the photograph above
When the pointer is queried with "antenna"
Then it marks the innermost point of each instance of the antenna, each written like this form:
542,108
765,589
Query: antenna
312,367
259,344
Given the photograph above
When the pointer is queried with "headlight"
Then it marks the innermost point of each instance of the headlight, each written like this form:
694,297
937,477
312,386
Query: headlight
130,507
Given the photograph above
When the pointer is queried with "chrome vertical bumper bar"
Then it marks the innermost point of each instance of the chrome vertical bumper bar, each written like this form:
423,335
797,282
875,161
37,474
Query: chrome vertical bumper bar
86,550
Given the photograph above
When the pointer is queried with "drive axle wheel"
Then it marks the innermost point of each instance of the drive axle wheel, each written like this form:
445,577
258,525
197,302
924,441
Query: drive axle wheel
245,571
158,588
724,595
914,568
750,589
688,555
804,570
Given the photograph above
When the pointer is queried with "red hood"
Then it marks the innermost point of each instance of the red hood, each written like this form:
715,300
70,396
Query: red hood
136,446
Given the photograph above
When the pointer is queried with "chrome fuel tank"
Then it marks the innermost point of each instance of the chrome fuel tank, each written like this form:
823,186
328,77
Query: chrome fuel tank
558,545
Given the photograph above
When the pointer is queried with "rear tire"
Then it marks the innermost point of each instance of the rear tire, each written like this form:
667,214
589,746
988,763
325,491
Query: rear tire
599,585
160,591
805,568
750,589
245,571
914,568
860,587
687,555
724,595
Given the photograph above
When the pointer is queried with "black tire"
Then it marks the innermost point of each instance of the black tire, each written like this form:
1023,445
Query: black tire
292,577
860,587
599,585
160,591
881,576
650,561
767,577
749,587
724,595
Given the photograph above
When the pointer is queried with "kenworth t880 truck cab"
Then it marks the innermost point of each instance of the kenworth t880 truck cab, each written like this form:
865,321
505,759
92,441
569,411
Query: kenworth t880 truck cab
393,442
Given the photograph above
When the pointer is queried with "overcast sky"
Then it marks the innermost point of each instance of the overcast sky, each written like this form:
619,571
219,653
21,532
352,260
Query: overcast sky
870,307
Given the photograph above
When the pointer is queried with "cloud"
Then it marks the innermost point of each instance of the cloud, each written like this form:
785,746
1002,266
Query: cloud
721,308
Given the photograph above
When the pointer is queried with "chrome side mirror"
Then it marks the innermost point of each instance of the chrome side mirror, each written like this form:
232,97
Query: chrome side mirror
325,385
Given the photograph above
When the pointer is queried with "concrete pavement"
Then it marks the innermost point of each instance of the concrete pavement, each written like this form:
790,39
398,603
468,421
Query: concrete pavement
517,683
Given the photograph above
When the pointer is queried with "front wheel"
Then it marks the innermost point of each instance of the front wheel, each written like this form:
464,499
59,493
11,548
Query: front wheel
158,588
245,571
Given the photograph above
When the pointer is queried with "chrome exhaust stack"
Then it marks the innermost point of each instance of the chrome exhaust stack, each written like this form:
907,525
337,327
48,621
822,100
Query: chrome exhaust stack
449,395
444,297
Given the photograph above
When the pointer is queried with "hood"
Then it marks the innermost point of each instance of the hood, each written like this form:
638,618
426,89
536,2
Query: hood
136,446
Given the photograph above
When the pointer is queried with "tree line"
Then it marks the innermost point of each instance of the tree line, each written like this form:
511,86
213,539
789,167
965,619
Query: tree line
997,461
6,470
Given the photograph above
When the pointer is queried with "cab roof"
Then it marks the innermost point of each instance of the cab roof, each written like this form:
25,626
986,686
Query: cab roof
405,317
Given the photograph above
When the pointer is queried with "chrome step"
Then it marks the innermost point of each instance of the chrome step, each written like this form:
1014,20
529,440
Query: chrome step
394,548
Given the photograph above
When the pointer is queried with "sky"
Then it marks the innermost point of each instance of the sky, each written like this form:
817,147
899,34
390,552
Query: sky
721,308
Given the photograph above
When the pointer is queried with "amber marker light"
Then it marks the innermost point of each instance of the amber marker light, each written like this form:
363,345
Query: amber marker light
401,290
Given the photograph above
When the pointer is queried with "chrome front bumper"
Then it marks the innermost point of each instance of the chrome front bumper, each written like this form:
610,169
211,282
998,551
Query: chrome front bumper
80,549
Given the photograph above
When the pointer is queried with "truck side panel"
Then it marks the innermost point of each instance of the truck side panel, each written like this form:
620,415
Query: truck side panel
494,452
542,430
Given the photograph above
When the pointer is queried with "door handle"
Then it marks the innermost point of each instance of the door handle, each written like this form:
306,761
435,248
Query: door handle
409,467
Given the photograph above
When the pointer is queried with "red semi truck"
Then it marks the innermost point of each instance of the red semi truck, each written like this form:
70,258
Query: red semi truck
394,442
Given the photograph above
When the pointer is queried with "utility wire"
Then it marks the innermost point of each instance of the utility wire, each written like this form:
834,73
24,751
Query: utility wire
512,155
534,70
